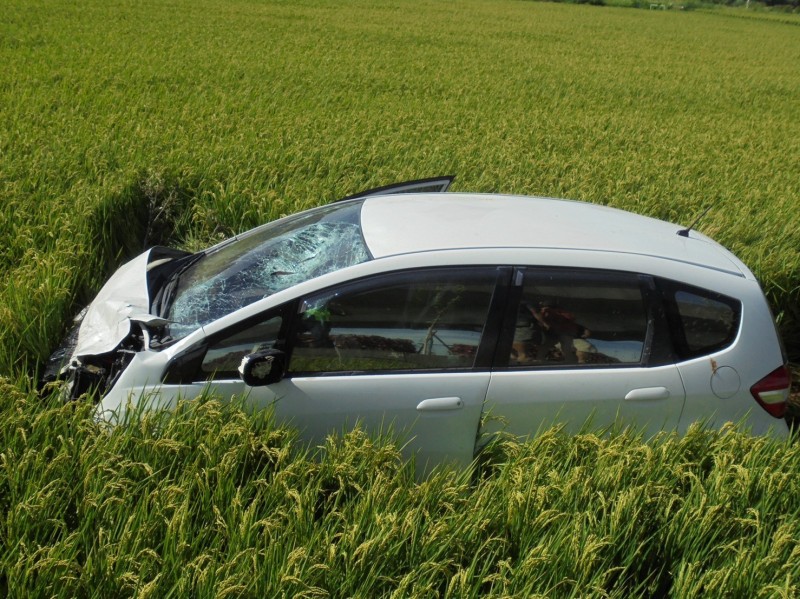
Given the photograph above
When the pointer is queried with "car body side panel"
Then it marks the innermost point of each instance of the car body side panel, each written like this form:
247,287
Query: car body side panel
722,394
141,379
721,381
522,402
438,431
435,416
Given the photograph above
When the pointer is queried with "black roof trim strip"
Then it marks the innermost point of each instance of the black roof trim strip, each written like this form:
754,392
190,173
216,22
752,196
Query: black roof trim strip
429,185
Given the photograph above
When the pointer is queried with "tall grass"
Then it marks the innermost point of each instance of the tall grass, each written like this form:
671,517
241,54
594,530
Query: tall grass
213,502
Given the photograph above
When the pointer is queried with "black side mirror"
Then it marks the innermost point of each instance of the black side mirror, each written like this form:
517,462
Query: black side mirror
263,367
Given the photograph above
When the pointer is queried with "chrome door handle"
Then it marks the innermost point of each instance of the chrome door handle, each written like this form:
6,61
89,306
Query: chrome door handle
440,404
647,393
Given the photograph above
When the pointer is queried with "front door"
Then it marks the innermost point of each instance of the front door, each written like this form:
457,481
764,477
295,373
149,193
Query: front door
395,354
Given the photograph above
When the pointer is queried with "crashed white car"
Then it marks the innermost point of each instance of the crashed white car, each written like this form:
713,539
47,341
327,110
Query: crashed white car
424,311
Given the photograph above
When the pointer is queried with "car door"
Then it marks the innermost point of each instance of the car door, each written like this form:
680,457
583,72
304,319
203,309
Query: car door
396,354
584,347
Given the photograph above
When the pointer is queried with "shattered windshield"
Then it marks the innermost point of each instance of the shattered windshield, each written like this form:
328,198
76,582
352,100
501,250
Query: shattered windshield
267,260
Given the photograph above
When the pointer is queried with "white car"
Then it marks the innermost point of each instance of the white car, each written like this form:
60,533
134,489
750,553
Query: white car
422,311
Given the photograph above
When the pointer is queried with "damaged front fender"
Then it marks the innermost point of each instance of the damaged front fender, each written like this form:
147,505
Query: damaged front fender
114,327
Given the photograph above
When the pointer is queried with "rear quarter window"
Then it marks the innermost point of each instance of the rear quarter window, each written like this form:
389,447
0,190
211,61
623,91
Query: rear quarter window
701,321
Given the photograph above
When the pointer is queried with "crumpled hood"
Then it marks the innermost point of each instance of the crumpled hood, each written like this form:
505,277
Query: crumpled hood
107,320
124,296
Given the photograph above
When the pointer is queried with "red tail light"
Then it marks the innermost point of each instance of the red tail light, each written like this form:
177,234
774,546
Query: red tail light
772,391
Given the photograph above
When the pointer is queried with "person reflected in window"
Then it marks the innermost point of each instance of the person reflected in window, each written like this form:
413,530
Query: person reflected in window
527,335
560,329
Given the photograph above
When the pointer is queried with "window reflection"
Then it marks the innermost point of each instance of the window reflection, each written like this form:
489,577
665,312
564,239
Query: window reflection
579,318
224,356
424,320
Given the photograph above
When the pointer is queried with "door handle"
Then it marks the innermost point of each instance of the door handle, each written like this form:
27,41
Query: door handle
647,393
440,404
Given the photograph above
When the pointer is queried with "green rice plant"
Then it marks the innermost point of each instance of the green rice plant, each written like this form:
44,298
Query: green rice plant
209,500
132,124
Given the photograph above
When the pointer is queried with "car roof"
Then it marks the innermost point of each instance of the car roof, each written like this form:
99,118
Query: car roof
409,223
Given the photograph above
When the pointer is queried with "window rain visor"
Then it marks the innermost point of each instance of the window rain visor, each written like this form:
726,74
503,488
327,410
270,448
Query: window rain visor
264,261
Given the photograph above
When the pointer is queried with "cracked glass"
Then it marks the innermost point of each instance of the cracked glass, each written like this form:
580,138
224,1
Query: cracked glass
265,261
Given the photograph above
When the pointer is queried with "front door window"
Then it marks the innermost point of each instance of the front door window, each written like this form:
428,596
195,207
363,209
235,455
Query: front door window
411,321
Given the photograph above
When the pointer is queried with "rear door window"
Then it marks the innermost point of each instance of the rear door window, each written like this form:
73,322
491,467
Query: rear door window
580,317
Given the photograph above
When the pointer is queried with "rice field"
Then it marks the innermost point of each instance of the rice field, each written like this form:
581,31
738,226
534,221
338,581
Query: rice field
211,502
126,123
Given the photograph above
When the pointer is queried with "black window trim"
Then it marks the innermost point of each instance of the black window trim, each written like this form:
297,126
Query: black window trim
483,355
656,334
493,352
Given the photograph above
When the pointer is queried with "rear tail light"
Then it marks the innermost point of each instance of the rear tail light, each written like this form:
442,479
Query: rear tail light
772,391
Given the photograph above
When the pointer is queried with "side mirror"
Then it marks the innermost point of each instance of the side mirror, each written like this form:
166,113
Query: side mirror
263,367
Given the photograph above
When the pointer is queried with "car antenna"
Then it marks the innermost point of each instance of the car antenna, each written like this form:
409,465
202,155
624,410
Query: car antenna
685,232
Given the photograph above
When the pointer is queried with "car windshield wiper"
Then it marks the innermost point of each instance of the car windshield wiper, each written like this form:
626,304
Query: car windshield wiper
166,294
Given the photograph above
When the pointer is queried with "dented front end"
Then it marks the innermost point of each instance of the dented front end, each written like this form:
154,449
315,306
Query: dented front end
118,324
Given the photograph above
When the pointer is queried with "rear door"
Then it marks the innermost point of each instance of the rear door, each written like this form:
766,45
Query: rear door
584,346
